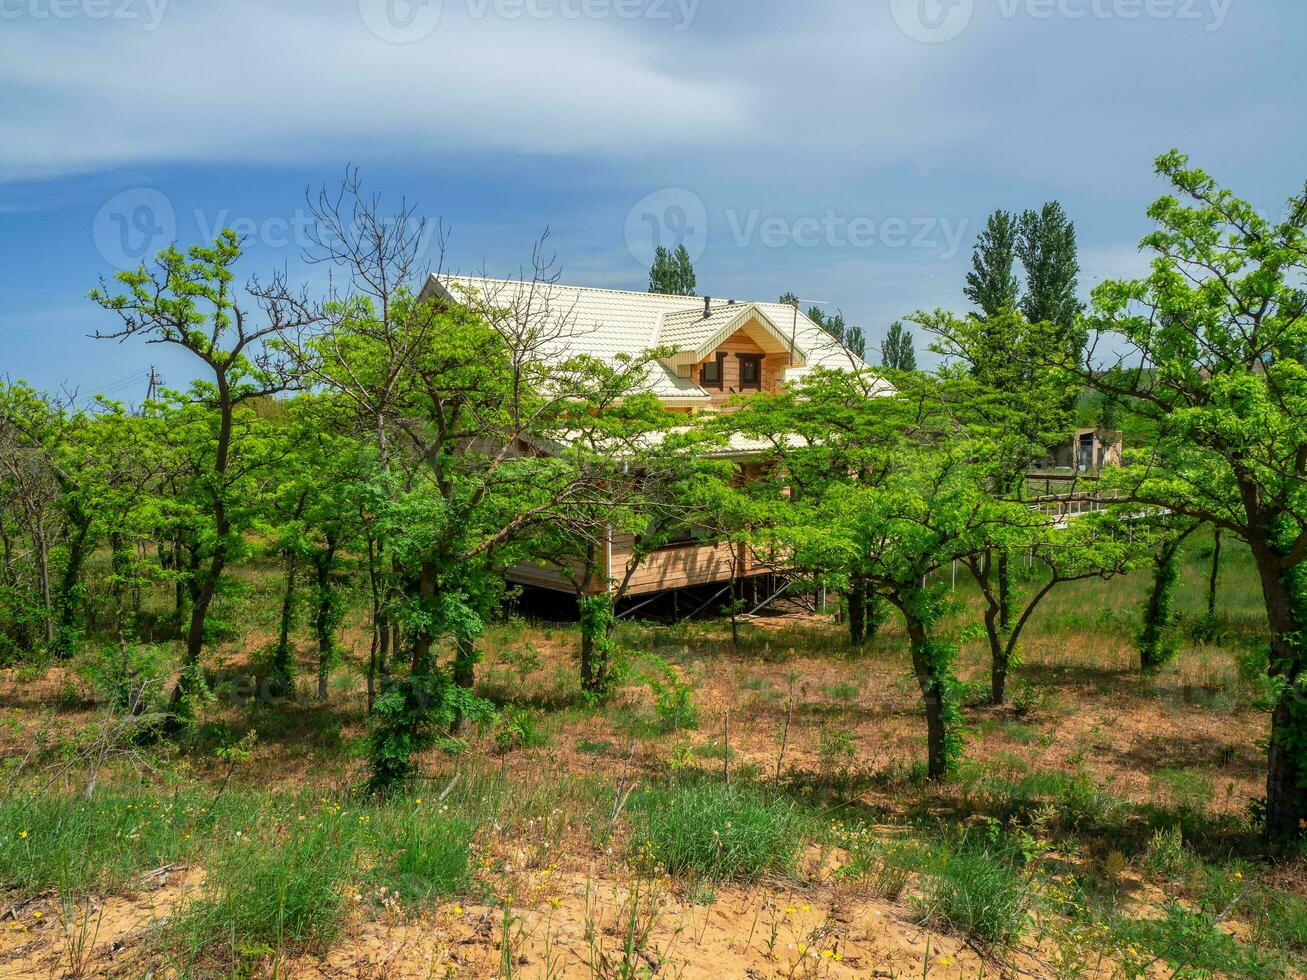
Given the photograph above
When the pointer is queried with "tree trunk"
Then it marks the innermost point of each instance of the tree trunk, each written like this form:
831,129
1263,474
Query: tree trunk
1154,649
43,579
1286,770
597,624
6,554
998,629
1004,591
932,697
1212,576
283,664
856,600
68,598
998,675
326,616
465,659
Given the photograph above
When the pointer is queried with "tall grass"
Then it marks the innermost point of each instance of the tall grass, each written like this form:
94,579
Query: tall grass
711,833
280,887
99,845
420,855
977,892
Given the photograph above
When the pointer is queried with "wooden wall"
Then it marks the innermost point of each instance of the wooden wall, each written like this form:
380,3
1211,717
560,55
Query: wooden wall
741,343
668,568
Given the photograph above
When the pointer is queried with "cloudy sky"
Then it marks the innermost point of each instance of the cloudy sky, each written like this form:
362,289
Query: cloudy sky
847,151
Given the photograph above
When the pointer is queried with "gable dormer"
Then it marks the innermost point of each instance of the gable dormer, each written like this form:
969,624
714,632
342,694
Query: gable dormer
730,348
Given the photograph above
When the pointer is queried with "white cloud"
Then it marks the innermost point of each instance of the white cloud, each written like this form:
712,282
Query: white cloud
241,82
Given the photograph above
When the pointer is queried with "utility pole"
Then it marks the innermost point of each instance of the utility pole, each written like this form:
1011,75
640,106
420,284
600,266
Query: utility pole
152,389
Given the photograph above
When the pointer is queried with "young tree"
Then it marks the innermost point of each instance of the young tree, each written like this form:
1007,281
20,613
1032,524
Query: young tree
1157,644
1211,355
877,490
992,281
1011,394
815,443
360,353
188,300
645,479
32,485
898,354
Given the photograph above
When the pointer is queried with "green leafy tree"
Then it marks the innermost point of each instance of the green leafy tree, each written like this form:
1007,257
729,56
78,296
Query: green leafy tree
672,272
1011,391
645,484
877,490
898,353
992,282
1211,343
188,300
1047,248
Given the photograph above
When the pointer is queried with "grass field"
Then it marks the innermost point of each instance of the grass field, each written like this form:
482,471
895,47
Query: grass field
757,812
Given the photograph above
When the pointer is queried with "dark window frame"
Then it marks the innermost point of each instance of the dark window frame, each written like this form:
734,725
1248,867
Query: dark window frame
756,361
720,380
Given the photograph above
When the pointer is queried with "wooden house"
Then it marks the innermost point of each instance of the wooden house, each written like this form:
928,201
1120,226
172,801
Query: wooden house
714,350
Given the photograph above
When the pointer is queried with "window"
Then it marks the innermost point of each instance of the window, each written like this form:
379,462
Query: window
710,374
750,370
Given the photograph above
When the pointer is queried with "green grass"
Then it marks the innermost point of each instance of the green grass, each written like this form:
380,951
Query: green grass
1191,944
704,831
976,892
419,854
884,867
278,887
100,845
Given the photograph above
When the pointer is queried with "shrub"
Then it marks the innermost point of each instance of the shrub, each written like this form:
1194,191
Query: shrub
709,832
673,697
977,893
420,855
130,677
836,750
518,728
1166,854
1280,919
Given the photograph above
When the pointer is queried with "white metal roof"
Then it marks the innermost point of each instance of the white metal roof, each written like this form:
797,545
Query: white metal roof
609,322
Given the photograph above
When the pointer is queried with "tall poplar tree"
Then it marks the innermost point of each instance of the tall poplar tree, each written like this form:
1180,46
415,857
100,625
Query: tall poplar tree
992,282
1047,249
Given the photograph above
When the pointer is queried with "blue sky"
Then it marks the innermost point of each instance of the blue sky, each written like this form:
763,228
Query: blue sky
848,151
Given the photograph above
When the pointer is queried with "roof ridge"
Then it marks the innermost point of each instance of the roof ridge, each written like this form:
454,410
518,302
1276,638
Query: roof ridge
606,289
